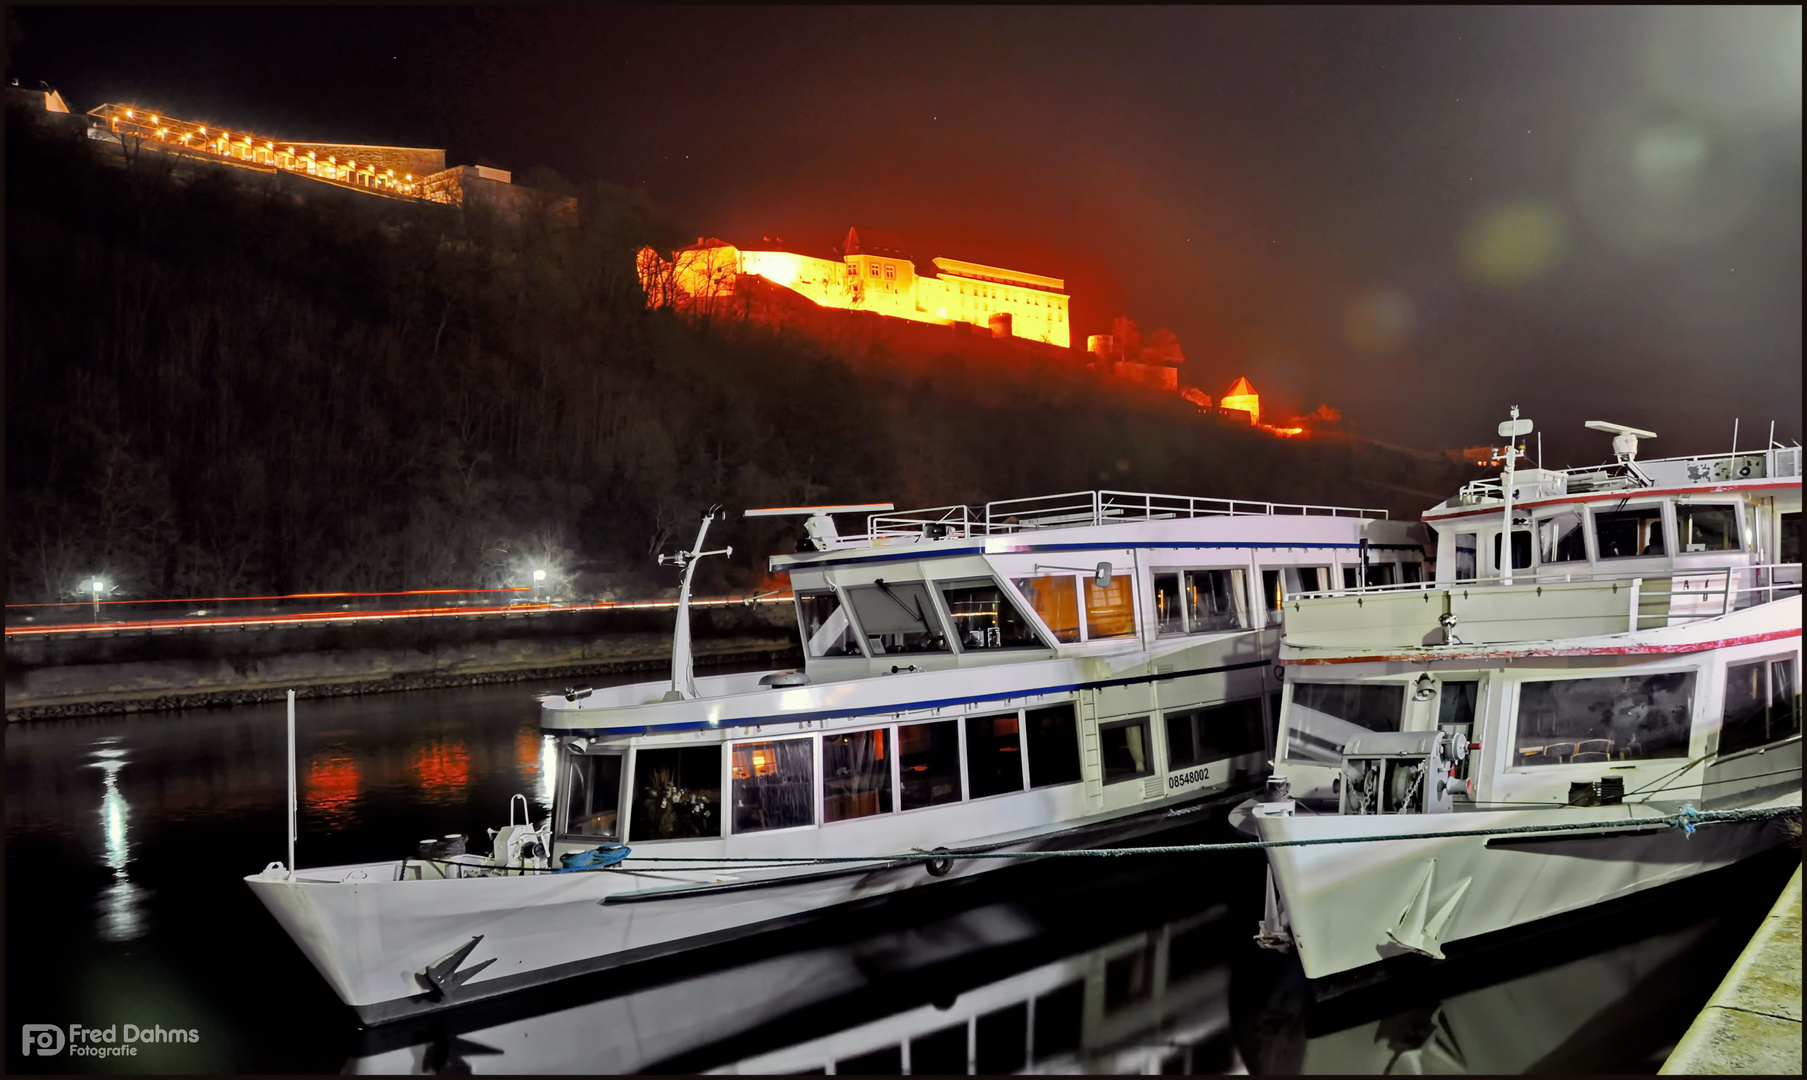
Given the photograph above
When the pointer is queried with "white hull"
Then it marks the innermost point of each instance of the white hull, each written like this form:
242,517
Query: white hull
369,937
1351,905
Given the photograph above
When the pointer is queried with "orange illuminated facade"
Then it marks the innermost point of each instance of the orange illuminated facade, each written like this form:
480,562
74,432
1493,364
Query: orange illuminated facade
1241,396
873,274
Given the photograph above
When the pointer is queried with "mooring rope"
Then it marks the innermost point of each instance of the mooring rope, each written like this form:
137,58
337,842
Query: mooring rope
1687,819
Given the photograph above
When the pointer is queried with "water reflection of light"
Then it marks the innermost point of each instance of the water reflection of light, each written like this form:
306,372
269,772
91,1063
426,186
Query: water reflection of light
548,770
120,918
443,769
332,788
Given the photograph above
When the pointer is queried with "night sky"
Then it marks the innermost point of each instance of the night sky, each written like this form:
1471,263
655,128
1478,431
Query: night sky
1419,216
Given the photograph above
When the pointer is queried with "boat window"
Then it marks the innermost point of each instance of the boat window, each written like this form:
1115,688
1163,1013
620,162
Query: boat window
1626,533
1129,978
856,774
1789,550
1053,734
1167,618
1055,597
1109,612
897,617
1467,544
678,793
985,618
1618,718
827,631
1216,600
1706,528
593,796
1059,1019
1762,705
1001,1040
1521,550
994,758
1124,747
939,1053
1214,733
1323,717
1285,581
1561,538
1456,702
929,760
1411,572
1379,573
774,785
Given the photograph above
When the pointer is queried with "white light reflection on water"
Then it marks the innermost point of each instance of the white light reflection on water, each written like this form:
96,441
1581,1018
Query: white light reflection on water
548,771
120,916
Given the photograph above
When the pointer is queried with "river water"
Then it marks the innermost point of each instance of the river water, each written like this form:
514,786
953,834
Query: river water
127,839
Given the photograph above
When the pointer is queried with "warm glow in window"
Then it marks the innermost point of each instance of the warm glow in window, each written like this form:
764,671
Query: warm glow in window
1110,611
1055,598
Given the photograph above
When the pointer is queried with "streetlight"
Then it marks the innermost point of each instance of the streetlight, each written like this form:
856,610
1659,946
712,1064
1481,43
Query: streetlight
97,587
539,589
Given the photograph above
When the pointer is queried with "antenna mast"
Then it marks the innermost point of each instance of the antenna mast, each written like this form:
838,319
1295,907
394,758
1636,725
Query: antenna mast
683,671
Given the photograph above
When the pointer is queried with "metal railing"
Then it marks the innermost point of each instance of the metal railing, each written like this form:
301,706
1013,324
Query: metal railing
1778,462
1078,508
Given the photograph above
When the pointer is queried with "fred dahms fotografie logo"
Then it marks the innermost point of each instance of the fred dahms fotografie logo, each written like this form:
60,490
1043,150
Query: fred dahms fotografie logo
115,1040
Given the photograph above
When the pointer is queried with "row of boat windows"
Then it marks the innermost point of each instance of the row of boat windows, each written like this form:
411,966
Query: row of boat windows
772,784
900,617
1639,531
1564,721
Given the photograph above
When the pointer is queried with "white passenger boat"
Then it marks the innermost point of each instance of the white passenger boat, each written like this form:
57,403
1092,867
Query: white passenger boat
1073,670
1629,645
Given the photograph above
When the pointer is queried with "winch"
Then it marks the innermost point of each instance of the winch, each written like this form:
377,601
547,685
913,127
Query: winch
1401,772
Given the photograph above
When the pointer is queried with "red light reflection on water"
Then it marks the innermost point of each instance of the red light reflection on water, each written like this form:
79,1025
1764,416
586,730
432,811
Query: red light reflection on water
443,769
332,787
527,753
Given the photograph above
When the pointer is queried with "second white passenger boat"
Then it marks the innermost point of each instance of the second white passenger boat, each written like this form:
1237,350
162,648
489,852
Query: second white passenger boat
1601,650
1078,670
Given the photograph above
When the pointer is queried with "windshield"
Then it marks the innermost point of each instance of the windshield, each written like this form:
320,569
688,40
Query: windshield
826,629
897,617
1323,717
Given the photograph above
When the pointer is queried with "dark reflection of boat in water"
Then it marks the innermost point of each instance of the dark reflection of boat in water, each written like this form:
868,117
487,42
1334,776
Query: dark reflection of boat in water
1145,969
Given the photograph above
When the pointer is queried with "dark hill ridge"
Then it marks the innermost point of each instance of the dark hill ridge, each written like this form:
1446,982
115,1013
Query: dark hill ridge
214,390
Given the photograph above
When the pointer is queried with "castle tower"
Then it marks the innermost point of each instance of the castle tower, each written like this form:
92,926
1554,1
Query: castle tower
1242,396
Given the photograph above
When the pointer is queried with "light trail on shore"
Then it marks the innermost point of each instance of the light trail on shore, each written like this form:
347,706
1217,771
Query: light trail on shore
215,622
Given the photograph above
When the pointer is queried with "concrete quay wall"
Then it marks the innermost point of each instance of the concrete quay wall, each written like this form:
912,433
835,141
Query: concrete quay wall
1752,1024
100,674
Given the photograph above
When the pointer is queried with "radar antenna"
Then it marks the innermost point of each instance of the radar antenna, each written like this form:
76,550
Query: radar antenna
1625,446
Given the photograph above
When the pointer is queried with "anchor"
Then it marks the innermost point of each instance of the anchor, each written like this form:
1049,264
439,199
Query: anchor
442,976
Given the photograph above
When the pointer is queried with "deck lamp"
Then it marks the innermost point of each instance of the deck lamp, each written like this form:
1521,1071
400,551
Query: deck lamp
1424,688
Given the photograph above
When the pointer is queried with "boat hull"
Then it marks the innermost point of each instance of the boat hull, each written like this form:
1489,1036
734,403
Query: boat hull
373,938
1349,906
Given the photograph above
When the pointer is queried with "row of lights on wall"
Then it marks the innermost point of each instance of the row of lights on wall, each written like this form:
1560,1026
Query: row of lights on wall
226,136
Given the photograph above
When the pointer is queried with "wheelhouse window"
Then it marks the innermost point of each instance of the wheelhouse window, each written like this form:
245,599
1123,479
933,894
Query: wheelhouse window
994,755
1199,601
1053,736
774,785
1762,705
985,618
1619,718
1626,534
1521,550
897,618
1214,733
928,756
1125,750
1561,538
856,774
678,793
1110,611
1323,717
1055,598
1281,582
1706,528
593,796
827,631
1467,561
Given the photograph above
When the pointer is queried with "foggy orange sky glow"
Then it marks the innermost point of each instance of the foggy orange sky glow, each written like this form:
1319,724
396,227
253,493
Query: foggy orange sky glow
1422,216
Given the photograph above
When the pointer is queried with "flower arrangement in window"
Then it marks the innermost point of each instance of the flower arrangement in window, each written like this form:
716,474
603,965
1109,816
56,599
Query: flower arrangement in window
675,812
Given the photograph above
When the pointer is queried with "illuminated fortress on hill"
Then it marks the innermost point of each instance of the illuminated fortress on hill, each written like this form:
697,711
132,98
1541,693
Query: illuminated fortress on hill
873,274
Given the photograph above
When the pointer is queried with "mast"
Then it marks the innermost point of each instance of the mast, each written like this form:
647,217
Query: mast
683,671
1511,429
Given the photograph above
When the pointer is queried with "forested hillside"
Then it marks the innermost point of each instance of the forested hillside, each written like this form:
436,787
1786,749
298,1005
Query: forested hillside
213,390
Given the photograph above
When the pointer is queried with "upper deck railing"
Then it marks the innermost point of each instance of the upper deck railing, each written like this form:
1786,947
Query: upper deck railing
1076,508
1781,462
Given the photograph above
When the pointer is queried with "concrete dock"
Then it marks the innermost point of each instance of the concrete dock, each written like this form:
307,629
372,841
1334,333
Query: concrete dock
1752,1024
